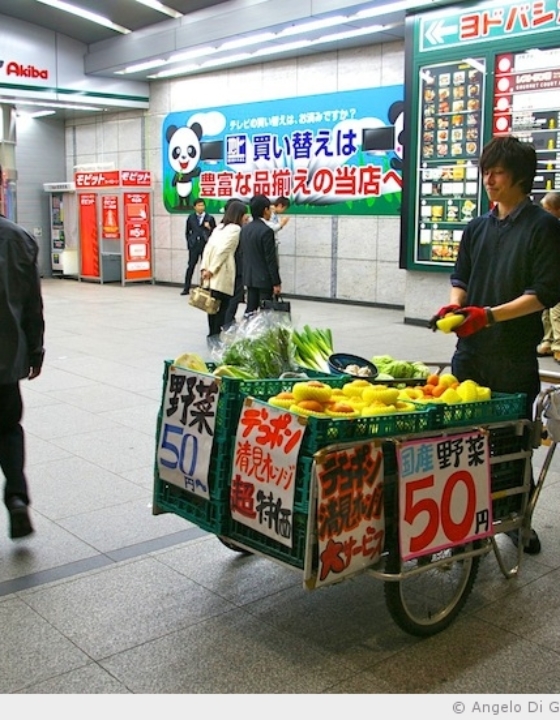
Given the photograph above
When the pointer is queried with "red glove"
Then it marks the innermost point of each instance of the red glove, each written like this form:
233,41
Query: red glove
475,319
442,312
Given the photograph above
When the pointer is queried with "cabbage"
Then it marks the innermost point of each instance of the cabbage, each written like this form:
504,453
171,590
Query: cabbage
399,369
381,361
421,370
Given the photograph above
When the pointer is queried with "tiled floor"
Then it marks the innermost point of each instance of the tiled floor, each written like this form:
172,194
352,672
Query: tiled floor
107,598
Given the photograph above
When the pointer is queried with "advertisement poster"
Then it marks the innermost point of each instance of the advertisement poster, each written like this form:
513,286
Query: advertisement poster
110,217
89,239
527,104
444,493
350,517
264,469
449,146
137,263
187,430
335,154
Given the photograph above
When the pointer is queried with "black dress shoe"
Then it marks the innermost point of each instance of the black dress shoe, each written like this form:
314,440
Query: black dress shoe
533,547
20,524
184,292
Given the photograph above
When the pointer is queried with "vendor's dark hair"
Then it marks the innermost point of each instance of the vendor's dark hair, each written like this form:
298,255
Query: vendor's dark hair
517,157
235,211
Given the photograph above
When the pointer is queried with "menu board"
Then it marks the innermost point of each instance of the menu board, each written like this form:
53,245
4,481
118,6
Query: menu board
449,145
527,104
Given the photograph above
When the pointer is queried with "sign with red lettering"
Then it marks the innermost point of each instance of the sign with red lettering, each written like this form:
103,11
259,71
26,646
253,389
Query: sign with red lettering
96,179
110,217
186,432
137,240
444,492
264,469
350,517
89,238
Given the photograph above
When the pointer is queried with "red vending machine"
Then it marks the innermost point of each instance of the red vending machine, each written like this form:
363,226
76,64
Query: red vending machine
115,225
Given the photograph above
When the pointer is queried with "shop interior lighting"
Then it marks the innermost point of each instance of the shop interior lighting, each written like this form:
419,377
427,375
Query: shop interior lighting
270,49
155,5
81,12
140,67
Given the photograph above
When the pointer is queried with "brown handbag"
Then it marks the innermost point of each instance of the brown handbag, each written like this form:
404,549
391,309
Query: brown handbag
201,298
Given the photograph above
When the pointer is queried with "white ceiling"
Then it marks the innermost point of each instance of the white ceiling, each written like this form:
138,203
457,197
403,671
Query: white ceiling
207,23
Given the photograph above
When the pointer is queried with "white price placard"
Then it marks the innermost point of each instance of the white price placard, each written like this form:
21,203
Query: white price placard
444,492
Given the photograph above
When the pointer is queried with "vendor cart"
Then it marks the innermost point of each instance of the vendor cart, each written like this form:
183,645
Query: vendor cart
401,525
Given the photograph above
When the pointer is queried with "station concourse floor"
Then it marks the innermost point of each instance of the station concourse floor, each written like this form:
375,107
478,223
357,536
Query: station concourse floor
107,598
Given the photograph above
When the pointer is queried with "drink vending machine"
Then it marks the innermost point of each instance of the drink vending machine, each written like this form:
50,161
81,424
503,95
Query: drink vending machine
63,215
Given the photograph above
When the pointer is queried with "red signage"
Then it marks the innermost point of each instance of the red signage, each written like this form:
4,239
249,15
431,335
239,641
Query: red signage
110,217
89,240
137,262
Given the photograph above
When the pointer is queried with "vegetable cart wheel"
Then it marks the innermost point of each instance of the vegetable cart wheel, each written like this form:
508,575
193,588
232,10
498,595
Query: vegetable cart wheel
427,602
233,546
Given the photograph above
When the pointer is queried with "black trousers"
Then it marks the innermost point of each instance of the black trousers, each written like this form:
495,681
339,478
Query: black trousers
255,296
12,451
196,248
216,322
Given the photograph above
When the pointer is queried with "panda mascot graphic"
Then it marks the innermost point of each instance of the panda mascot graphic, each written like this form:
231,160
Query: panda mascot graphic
184,153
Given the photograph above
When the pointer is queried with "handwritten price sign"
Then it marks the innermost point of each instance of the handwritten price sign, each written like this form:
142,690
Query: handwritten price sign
444,493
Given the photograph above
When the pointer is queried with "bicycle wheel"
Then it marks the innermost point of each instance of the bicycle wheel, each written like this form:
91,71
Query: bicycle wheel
427,602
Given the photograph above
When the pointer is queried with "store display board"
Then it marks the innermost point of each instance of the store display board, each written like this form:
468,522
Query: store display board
474,70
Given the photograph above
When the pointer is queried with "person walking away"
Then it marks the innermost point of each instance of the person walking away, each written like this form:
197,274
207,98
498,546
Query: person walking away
550,344
198,227
218,264
21,356
261,274
507,271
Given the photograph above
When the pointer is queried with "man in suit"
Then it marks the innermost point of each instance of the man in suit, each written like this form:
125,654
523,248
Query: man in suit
21,356
198,228
261,274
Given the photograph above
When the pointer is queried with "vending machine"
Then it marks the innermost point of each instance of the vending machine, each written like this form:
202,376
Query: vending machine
115,225
63,228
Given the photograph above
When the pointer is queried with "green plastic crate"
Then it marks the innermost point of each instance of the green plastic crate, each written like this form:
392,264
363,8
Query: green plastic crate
212,515
501,407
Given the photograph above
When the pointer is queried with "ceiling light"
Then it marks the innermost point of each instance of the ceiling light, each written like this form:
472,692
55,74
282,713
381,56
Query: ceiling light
245,41
139,67
311,26
46,103
190,54
40,113
389,8
155,5
80,12
228,60
358,32
181,70
286,47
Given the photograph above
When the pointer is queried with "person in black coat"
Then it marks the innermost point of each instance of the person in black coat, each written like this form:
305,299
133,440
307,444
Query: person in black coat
21,356
261,274
198,228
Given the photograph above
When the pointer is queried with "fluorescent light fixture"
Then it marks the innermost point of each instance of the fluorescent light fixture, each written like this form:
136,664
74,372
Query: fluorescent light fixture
311,26
181,70
155,5
49,104
286,47
246,41
80,12
358,32
139,67
230,59
389,8
40,113
190,54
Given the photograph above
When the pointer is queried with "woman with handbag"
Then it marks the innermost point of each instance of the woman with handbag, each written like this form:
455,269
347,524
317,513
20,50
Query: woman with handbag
218,264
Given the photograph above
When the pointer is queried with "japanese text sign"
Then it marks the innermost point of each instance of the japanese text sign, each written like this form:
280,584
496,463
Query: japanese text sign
339,153
444,492
350,517
487,21
187,430
264,469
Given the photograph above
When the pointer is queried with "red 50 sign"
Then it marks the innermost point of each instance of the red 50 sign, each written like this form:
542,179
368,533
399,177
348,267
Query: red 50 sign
444,492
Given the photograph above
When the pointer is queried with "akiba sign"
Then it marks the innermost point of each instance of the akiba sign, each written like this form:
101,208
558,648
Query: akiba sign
23,71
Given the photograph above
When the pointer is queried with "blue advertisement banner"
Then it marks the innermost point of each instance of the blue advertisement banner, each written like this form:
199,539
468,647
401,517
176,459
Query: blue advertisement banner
333,154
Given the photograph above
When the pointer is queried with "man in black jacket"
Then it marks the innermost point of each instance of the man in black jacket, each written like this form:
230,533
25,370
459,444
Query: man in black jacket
21,355
198,228
261,274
